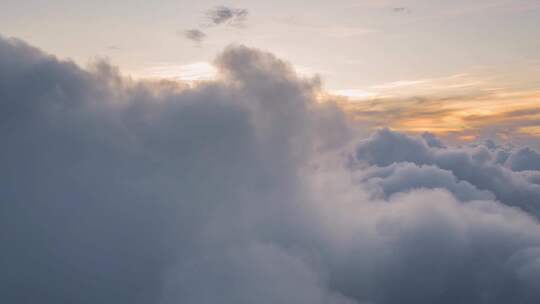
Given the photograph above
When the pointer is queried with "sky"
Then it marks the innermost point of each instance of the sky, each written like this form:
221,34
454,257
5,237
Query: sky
461,51
192,155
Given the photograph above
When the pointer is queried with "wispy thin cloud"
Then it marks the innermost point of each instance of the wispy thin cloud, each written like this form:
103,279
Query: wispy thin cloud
196,71
464,116
217,16
401,10
114,47
194,35
226,15
398,84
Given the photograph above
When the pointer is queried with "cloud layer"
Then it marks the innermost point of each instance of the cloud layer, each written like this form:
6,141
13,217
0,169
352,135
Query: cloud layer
482,166
244,190
456,107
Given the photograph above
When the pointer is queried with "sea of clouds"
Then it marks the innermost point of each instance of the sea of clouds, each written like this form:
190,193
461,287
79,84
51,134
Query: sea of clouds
246,189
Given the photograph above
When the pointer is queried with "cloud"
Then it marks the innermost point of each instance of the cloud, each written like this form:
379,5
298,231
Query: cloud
220,15
114,48
460,108
476,165
192,72
194,35
242,189
226,15
383,182
432,140
472,114
524,159
401,10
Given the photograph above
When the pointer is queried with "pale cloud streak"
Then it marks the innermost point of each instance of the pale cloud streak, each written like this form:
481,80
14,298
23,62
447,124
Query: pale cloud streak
502,114
197,71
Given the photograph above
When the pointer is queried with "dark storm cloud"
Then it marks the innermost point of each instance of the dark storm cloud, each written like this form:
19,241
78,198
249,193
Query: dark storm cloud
226,15
238,191
194,35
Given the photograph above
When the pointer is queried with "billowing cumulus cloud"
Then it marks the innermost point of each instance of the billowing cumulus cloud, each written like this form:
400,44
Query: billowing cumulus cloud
244,190
402,177
477,165
524,159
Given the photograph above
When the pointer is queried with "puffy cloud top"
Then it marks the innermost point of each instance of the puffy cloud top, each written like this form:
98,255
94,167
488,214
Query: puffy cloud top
479,166
524,159
240,190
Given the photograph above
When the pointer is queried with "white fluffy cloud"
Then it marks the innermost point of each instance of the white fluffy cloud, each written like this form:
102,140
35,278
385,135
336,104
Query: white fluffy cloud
241,190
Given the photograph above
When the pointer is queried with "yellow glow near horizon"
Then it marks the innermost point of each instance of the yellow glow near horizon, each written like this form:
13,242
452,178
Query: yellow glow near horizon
461,106
461,117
